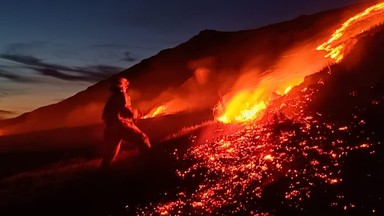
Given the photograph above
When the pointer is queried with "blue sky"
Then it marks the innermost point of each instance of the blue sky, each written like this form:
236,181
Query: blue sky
52,49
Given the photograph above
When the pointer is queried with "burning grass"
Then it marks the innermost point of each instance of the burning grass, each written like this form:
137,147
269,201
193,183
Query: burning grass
247,103
294,154
316,150
278,163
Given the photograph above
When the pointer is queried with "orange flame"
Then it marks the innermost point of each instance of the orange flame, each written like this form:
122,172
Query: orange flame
247,105
160,110
244,106
336,44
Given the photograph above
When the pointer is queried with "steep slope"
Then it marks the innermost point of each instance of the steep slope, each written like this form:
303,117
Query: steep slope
190,76
327,159
317,150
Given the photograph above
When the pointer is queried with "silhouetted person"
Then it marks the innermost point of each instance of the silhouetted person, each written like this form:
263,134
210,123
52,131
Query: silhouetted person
118,116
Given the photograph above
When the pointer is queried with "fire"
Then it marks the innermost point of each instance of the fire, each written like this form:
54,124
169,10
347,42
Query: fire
248,105
335,45
231,173
286,90
244,106
160,110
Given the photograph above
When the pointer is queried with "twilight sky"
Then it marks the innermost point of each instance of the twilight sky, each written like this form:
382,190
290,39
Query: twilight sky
52,49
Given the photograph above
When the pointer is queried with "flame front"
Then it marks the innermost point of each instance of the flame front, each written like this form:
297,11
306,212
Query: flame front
247,105
335,46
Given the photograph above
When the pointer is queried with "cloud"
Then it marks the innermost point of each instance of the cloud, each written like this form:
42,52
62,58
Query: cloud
4,114
57,74
128,57
13,77
23,59
88,73
100,71
24,56
15,48
28,60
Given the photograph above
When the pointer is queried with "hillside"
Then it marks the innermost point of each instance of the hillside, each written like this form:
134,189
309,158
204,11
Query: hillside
315,148
206,65
320,154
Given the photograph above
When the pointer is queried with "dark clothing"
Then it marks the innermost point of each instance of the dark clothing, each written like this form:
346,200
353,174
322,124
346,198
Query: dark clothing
118,117
118,106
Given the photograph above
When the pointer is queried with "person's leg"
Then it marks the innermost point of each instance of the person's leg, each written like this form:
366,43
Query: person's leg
112,142
135,136
144,141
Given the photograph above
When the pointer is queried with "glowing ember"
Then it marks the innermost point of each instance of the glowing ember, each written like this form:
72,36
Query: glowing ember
302,153
232,172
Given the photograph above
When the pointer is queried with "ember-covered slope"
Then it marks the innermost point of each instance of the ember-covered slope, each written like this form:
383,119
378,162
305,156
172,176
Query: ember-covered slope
171,74
317,150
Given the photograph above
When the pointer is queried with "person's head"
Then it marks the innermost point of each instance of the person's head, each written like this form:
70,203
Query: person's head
119,84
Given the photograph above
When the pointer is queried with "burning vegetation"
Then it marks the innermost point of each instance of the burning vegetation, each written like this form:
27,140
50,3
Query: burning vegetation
290,149
247,104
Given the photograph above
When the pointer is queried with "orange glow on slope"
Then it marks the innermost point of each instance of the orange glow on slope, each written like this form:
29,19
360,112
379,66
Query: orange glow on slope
247,105
234,172
336,44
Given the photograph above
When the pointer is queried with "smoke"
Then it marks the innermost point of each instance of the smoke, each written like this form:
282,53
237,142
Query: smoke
84,115
210,84
199,91
193,94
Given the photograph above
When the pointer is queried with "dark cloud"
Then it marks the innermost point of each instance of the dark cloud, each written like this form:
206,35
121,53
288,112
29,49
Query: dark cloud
31,61
24,47
118,46
4,114
128,57
102,69
89,73
13,77
98,72
23,59
3,93
57,74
